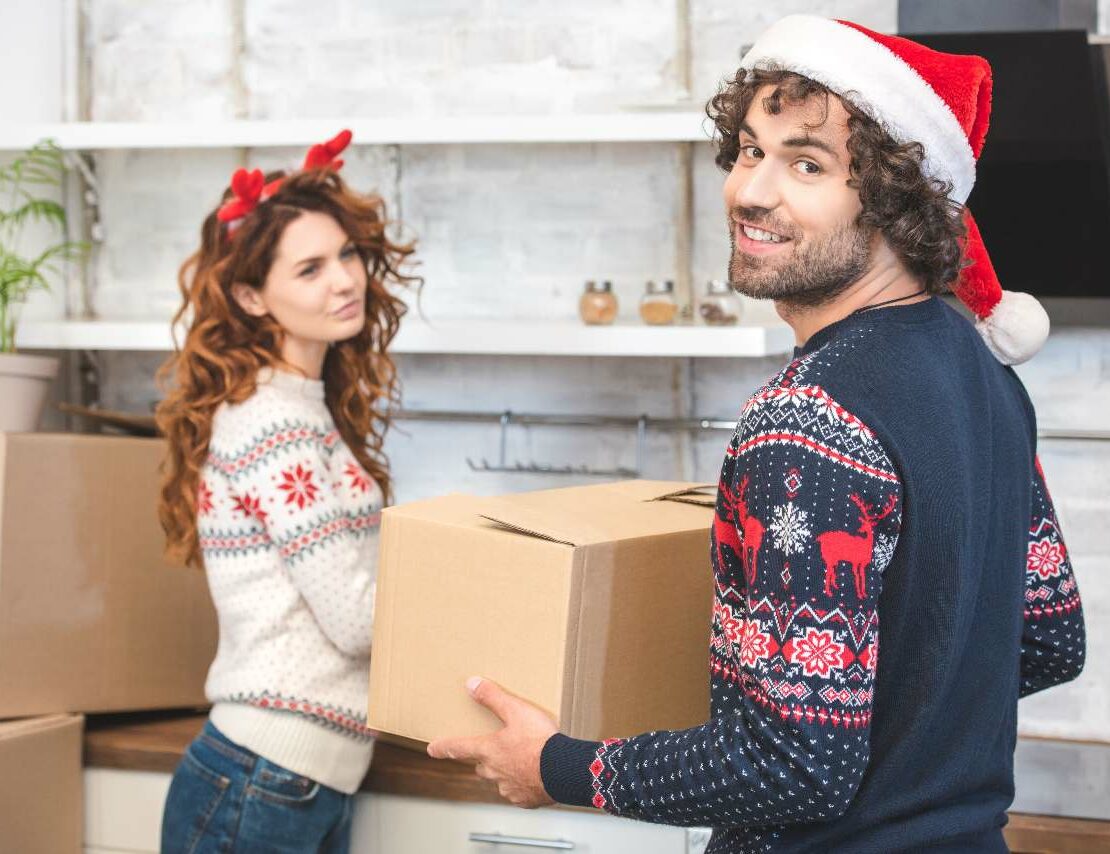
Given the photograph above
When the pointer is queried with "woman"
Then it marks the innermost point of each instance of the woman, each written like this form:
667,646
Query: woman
274,483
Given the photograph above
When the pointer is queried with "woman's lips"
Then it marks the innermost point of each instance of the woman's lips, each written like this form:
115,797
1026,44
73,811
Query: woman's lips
350,310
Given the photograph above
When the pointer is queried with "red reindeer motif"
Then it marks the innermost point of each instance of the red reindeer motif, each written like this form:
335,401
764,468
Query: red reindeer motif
727,534
753,532
738,521
854,549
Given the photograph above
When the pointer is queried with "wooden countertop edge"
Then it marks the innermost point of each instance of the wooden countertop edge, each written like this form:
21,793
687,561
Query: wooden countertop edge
156,742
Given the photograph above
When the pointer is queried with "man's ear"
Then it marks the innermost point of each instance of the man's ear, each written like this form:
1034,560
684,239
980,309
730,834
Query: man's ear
249,299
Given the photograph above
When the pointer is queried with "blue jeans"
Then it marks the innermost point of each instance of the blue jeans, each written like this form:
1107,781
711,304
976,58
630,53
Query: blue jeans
224,798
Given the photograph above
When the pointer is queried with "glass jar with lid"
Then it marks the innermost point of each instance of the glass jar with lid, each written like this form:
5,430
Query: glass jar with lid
658,306
721,305
598,305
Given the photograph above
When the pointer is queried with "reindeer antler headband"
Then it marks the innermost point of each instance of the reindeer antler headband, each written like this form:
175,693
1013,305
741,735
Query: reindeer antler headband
249,189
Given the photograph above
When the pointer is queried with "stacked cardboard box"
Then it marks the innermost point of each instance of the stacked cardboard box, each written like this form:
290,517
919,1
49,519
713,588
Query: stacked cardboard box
92,619
40,785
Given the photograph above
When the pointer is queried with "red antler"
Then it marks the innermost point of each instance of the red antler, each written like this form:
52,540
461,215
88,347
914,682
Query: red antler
866,510
250,188
325,155
246,188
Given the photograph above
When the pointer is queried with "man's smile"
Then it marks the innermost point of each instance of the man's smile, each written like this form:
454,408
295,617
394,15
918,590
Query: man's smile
754,240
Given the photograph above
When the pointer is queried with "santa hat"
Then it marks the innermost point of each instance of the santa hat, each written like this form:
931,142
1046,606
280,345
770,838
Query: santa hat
941,100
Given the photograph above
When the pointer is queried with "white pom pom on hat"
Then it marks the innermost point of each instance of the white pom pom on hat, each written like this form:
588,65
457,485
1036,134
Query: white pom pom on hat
1016,329
941,100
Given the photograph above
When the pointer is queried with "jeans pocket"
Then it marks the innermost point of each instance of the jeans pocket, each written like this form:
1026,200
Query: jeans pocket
195,794
281,786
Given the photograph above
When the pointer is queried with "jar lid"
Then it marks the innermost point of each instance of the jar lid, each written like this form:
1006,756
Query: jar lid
666,287
593,287
718,287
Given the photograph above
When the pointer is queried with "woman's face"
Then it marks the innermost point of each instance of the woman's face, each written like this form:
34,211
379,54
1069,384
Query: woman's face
316,287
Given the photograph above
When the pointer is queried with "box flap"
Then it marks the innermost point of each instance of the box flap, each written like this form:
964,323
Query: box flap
656,490
607,512
557,524
703,495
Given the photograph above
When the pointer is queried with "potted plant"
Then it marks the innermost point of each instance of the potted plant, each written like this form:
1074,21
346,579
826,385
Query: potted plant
25,380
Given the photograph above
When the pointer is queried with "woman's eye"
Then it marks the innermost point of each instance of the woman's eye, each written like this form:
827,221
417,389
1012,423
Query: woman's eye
347,253
308,271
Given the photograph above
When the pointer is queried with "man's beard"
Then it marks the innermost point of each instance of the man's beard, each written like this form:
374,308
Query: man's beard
817,271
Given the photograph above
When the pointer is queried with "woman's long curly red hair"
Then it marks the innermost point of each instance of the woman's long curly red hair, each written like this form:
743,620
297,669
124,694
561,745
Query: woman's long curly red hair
225,347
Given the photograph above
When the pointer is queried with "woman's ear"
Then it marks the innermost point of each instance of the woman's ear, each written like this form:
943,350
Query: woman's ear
249,299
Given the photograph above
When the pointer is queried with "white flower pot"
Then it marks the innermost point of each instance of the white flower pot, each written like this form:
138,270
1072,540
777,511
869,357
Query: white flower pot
24,382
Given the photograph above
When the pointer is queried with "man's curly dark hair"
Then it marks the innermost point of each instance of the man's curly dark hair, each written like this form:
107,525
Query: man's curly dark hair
922,225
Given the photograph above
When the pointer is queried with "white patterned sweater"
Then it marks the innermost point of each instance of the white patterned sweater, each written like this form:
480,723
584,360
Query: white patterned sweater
288,525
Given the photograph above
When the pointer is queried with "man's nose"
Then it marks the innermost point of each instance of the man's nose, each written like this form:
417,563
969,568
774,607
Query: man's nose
757,189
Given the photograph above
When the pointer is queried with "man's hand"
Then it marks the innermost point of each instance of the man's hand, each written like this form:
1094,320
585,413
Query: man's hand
510,756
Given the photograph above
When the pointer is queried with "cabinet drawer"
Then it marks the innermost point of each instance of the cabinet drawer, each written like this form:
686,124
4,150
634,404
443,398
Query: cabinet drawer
123,809
401,825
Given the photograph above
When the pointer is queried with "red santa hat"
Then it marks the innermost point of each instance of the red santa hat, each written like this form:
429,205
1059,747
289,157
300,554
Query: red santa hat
941,100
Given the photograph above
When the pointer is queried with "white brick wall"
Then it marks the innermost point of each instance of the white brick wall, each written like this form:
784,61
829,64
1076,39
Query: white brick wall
511,231
456,57
164,61
38,23
721,28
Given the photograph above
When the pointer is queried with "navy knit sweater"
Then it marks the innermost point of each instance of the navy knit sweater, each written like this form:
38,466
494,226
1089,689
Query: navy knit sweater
890,578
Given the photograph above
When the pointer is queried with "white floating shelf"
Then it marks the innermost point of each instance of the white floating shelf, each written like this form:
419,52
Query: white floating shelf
502,338
639,126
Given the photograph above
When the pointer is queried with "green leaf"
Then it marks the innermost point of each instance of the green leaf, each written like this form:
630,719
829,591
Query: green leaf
38,210
43,164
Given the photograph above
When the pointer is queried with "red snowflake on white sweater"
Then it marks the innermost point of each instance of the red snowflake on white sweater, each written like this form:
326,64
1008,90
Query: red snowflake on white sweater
204,498
1045,558
299,486
250,507
360,480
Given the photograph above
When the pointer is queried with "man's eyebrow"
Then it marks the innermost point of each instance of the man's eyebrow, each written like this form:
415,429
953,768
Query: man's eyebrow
812,142
798,141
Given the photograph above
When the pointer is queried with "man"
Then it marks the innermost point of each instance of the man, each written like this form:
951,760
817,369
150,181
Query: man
883,485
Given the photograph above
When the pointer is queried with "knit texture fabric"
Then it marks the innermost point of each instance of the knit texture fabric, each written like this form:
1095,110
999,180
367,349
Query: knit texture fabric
288,524
878,582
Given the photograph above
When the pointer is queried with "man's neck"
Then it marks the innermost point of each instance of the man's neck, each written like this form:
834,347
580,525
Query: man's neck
889,281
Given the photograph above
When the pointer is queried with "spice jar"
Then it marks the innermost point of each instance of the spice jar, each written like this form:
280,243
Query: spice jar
720,306
657,306
598,305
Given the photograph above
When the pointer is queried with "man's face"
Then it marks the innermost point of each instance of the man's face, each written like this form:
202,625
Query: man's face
791,214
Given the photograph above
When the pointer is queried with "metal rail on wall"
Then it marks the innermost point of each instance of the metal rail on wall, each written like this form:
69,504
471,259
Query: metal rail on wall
640,423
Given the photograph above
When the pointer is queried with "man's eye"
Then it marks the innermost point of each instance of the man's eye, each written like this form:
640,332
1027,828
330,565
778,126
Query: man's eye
751,151
808,167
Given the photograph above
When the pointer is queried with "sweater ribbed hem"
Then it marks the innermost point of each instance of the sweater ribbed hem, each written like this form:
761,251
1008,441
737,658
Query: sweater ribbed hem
565,769
296,743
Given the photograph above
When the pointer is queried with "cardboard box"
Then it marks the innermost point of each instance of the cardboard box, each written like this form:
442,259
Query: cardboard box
41,798
92,619
592,602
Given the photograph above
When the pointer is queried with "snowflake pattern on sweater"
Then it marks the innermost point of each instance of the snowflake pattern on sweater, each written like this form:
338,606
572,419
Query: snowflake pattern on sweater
288,522
1053,642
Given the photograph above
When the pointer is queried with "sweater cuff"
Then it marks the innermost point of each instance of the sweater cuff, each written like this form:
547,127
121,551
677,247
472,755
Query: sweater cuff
565,769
